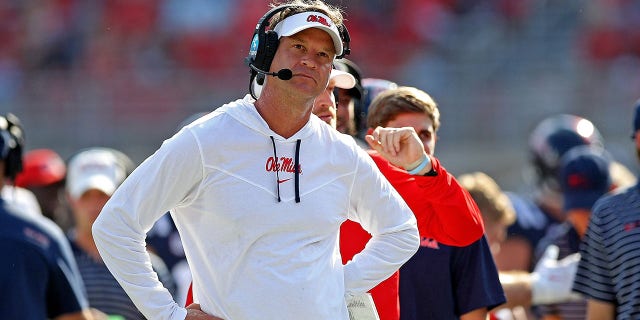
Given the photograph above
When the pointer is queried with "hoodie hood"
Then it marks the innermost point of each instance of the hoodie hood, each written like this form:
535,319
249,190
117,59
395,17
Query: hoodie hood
235,140
245,112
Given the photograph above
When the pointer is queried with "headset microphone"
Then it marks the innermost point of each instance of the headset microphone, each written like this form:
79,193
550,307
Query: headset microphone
283,74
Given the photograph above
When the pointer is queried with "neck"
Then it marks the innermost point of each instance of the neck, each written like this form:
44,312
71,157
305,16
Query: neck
285,114
579,218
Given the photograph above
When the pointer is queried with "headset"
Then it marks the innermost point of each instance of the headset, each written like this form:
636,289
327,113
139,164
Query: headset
265,42
12,136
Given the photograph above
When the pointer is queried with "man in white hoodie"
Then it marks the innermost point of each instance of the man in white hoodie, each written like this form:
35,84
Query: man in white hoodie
258,190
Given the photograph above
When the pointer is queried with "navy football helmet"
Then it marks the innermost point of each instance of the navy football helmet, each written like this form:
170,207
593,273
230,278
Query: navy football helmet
552,138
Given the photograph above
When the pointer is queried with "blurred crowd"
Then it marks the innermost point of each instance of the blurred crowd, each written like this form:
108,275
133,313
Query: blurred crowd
138,66
99,38
76,69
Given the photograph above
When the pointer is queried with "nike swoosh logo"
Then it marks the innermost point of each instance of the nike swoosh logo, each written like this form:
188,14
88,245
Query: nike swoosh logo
283,180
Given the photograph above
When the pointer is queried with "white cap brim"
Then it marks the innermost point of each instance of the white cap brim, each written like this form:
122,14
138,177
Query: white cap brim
343,80
97,169
310,19
102,183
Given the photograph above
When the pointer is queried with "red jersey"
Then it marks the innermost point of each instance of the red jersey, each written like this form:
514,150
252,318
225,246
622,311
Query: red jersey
385,295
445,212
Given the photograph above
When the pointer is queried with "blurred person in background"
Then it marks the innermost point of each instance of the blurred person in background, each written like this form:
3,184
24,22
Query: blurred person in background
521,288
20,197
38,273
353,237
497,211
371,87
350,116
541,207
584,177
325,105
497,214
43,174
608,274
93,175
452,276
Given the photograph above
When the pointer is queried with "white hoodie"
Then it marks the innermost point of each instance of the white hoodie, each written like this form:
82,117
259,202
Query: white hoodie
251,255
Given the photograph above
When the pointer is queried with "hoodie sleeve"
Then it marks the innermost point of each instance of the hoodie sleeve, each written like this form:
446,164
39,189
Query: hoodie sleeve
383,213
445,211
162,182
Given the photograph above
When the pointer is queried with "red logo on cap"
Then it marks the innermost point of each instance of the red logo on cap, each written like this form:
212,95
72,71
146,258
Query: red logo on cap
577,180
318,19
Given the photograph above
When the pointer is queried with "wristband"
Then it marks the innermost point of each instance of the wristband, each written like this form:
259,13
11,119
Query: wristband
422,165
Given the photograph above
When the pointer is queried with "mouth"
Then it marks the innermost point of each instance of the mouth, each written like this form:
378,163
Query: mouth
325,117
304,75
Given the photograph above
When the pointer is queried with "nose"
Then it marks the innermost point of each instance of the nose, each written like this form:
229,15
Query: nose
309,61
324,100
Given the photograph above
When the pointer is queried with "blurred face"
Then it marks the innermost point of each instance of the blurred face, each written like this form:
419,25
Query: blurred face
309,54
345,121
325,106
49,198
86,208
423,126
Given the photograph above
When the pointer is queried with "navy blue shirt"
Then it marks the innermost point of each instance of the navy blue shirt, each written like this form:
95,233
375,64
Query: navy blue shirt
443,282
39,278
609,268
103,290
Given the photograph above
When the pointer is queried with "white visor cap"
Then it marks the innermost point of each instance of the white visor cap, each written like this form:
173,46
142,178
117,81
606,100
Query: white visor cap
310,19
343,80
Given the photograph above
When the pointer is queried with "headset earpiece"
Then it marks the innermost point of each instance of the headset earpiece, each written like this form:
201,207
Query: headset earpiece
263,61
264,42
346,40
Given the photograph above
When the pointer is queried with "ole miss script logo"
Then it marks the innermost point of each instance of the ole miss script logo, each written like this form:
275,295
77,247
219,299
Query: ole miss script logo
318,19
283,164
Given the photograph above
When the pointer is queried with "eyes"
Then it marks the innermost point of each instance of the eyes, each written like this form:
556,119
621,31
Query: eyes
425,135
302,49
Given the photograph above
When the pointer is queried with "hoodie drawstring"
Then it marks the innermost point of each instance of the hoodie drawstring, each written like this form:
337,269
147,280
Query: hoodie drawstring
275,156
296,169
